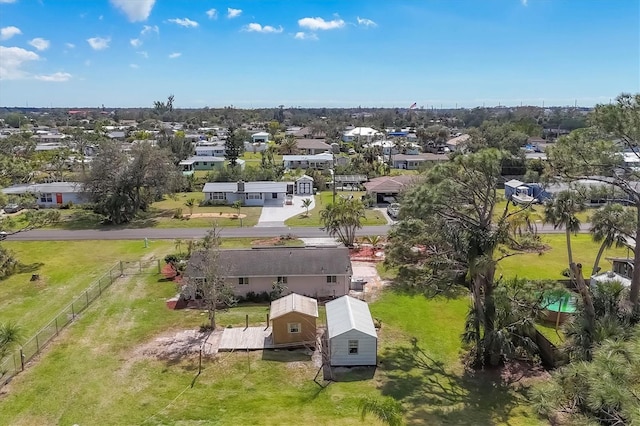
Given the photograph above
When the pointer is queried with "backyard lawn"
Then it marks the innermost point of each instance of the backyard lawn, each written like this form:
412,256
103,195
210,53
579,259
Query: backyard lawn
584,216
372,217
551,263
97,371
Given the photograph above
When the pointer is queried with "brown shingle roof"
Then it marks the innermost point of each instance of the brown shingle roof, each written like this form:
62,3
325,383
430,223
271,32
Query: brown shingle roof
390,183
313,144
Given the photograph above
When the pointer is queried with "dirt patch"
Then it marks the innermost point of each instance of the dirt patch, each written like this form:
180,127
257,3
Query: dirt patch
226,215
365,252
373,285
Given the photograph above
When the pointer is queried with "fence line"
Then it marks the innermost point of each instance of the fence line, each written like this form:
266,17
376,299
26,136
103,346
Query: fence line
17,361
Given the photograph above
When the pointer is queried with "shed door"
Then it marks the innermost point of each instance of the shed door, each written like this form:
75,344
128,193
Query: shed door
58,198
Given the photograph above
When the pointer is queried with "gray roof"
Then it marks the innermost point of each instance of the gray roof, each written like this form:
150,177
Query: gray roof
208,158
293,303
419,157
278,262
261,186
38,188
313,144
345,314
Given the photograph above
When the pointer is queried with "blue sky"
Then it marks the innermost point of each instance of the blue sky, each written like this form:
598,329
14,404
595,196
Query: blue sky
375,53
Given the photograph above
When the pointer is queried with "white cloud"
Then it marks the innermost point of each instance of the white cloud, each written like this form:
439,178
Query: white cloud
146,29
144,54
300,35
366,22
7,32
55,77
212,13
186,22
175,55
12,60
233,13
314,24
136,10
40,43
99,43
134,66
524,2
70,45
7,1
257,28
135,42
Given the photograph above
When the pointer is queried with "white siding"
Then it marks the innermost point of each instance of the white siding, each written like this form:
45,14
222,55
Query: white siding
367,349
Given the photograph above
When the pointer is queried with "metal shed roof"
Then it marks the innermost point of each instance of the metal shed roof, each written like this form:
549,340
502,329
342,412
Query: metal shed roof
293,303
346,314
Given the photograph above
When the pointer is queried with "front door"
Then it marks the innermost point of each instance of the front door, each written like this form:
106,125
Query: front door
58,198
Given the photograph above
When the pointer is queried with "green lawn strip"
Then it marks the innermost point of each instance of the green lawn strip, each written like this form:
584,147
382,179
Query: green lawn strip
551,263
65,268
372,217
584,216
549,331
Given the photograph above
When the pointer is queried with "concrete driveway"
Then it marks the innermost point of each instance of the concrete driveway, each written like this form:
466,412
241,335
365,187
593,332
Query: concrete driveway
274,216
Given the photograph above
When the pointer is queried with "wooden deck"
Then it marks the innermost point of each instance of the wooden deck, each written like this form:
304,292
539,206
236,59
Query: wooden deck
250,338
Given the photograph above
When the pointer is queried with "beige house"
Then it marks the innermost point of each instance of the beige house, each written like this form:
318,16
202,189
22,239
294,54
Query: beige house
319,272
293,320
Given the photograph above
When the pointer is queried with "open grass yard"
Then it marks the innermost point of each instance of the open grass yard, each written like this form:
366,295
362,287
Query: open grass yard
372,217
538,209
551,263
65,270
97,372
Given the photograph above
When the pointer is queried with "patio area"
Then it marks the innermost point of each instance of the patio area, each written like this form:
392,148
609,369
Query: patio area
245,338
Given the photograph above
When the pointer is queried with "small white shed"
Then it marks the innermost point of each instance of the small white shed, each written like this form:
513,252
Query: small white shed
351,335
304,185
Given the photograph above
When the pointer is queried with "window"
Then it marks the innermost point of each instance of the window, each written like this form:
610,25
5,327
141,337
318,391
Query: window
46,198
332,279
294,327
282,280
243,281
217,196
353,347
254,196
274,195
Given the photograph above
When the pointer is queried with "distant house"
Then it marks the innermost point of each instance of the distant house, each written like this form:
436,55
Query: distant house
351,334
260,137
312,146
383,187
293,320
415,161
255,146
316,162
318,272
190,165
249,193
210,149
360,134
457,143
52,194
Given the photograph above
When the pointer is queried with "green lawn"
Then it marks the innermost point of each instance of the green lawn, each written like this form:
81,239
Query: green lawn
584,216
372,217
65,268
550,264
97,373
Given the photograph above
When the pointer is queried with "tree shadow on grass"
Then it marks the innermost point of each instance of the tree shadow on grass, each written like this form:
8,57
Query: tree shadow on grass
433,394
30,268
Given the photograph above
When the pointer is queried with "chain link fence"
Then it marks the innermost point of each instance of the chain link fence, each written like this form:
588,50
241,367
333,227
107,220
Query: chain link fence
16,362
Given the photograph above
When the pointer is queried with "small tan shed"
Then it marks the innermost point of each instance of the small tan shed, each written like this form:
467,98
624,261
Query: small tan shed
293,320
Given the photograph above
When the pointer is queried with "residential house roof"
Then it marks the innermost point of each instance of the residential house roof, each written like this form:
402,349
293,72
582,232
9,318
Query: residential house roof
39,188
277,262
313,144
362,131
389,183
209,158
262,186
345,314
293,303
458,140
316,157
419,157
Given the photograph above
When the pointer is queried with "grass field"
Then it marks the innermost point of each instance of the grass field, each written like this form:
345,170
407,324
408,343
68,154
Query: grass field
65,269
584,216
96,373
372,217
550,264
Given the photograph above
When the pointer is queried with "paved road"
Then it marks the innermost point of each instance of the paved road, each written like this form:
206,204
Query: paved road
173,233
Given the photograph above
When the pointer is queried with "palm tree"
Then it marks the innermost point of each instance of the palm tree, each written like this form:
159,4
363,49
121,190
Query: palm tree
306,203
10,336
610,225
289,145
387,410
191,204
342,219
178,244
561,213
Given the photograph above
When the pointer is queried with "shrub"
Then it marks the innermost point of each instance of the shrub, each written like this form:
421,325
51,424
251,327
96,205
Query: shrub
177,214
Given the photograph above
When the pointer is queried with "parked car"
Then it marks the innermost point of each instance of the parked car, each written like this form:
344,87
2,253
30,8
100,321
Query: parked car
3,235
393,210
12,208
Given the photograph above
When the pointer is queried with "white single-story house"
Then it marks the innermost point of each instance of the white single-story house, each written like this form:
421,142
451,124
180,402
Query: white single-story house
52,194
249,193
304,185
361,134
457,143
201,162
317,161
312,146
414,162
311,271
260,137
211,149
351,334
384,187
255,146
